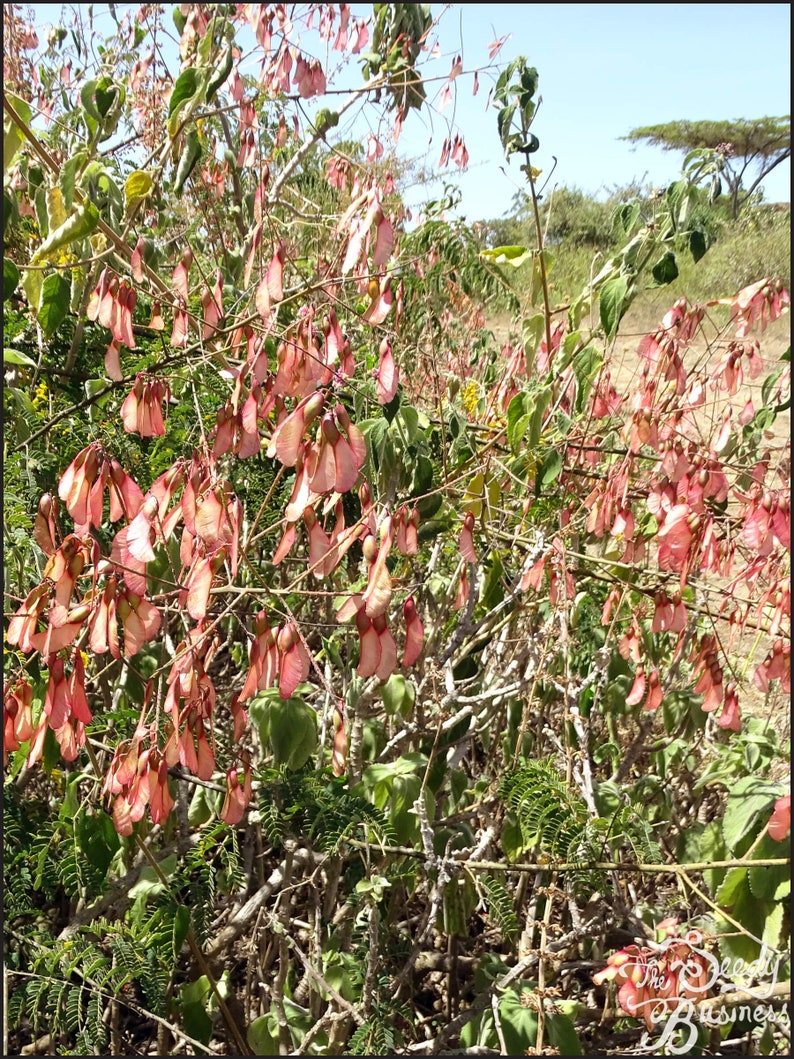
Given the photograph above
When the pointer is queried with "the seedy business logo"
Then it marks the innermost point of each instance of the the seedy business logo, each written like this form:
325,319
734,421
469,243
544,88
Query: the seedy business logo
701,975
681,984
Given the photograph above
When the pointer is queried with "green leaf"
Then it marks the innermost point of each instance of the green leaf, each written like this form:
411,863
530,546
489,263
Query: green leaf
665,270
519,1023
54,304
13,356
293,732
765,883
97,839
137,185
10,278
542,401
748,800
493,590
768,386
563,1035
77,226
697,244
504,121
200,809
586,365
512,837
260,1038
627,216
410,418
549,469
183,90
88,101
223,70
398,695
506,255
518,415
12,136
613,304
181,928
191,152
532,333
32,283
735,882
68,175
196,1021
149,883
108,96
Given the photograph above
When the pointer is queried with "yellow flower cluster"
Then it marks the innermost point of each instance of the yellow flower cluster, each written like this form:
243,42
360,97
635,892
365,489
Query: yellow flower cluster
41,396
470,397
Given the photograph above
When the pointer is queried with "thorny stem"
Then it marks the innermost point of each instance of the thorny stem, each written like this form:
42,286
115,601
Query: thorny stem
551,890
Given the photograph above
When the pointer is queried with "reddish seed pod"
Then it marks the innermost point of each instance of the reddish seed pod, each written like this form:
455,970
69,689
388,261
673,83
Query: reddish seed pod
79,613
150,507
329,429
91,465
286,639
314,406
76,564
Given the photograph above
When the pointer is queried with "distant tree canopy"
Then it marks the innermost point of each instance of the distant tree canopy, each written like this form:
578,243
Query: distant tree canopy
568,215
757,146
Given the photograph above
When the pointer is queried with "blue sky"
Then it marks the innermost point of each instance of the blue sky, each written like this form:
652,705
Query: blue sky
603,69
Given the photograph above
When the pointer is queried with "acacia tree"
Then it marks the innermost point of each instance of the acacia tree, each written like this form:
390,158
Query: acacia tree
748,149
397,666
